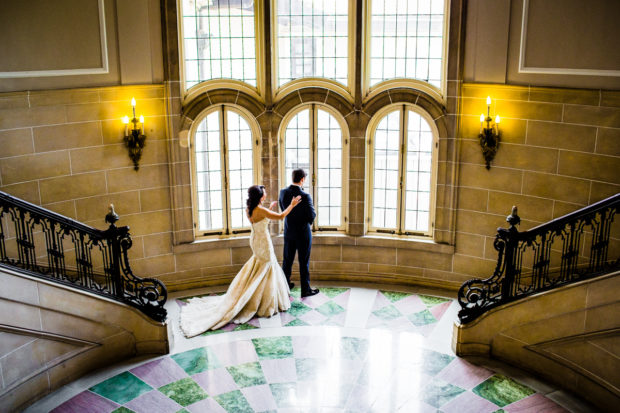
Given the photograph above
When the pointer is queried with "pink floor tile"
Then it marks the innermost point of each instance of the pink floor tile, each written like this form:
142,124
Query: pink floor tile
469,402
279,370
410,305
260,397
86,402
216,381
236,352
310,347
343,299
380,301
312,317
536,403
464,374
286,318
316,300
206,405
153,401
160,372
439,310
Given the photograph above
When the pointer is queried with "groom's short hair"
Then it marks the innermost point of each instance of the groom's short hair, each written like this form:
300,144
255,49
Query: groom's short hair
298,175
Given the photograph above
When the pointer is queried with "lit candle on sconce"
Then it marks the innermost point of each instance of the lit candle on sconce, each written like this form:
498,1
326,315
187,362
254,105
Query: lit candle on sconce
134,137
489,134
126,122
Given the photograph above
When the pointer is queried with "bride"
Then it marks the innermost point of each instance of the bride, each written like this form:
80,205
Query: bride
260,288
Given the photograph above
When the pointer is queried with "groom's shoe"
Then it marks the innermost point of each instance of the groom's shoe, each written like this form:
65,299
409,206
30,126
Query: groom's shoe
311,292
291,285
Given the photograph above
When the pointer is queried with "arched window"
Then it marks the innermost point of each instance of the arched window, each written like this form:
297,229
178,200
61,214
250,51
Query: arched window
312,138
224,165
312,40
407,40
219,41
403,149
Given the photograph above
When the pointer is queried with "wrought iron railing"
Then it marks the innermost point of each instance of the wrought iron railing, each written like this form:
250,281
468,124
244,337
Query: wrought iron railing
568,249
54,247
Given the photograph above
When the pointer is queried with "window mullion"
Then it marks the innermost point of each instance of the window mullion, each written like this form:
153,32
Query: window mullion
401,171
224,167
313,163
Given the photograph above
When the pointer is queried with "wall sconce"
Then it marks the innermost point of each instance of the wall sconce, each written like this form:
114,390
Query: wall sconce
489,135
134,139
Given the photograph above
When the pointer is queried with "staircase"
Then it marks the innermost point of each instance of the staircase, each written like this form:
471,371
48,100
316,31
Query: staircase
552,304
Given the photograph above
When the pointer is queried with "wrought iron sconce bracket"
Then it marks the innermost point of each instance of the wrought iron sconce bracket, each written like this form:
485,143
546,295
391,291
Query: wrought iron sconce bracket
489,136
134,139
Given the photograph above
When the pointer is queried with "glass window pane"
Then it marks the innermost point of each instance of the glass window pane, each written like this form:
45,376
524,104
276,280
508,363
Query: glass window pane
297,147
240,167
329,167
406,40
209,182
418,173
386,163
312,39
220,41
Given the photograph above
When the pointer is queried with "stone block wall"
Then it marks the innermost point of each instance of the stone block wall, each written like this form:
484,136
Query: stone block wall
559,151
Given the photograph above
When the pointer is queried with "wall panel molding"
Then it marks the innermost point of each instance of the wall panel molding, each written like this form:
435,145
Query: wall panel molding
523,68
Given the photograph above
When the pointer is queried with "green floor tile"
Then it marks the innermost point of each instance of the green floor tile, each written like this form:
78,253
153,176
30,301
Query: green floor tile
394,296
185,391
285,394
296,322
308,368
197,360
296,292
353,348
273,347
333,292
502,390
121,388
248,374
329,309
212,332
422,318
431,301
234,402
123,409
183,411
245,326
437,392
298,308
388,312
433,362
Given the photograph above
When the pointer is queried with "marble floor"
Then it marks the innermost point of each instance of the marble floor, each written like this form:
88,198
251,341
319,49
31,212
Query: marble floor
347,349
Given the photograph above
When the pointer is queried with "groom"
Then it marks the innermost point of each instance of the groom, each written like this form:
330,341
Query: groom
298,232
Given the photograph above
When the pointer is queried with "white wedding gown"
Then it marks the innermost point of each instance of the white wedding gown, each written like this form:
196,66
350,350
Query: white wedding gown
260,288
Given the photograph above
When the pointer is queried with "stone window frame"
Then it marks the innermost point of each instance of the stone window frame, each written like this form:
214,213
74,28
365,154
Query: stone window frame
356,110
343,228
226,231
371,130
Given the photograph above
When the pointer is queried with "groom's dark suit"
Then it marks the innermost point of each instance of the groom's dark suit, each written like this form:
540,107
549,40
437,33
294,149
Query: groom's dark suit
297,234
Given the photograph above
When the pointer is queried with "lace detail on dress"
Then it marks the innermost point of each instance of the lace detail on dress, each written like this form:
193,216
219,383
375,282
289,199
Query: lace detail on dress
260,241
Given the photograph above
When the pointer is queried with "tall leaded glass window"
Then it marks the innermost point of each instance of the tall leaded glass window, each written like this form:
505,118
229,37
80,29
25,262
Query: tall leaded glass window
224,166
406,40
313,140
219,40
312,39
402,173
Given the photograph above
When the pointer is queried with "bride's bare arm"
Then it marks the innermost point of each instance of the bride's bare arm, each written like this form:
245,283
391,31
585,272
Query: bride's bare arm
274,215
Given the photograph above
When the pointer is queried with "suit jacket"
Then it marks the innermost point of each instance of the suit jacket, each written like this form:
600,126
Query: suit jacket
297,224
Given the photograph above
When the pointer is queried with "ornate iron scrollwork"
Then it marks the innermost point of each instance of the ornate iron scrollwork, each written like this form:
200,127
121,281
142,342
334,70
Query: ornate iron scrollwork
99,258
558,254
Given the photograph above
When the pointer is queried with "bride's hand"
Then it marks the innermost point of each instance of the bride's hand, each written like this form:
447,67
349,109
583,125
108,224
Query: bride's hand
296,200
273,205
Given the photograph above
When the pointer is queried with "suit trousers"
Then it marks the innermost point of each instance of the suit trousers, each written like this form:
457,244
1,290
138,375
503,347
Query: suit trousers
302,246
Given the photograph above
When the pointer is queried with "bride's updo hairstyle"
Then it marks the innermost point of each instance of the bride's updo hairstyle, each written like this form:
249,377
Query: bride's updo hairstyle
255,193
